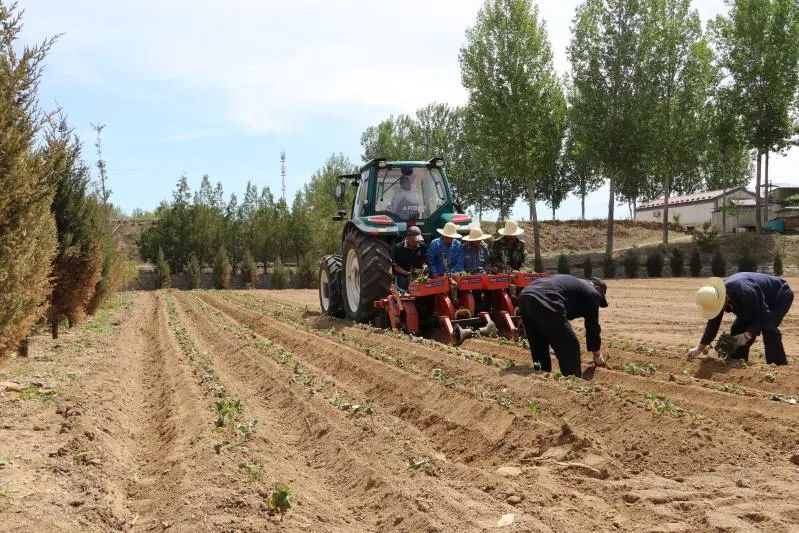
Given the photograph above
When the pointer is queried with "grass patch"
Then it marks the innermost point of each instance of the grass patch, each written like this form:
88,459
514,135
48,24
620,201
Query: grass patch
32,392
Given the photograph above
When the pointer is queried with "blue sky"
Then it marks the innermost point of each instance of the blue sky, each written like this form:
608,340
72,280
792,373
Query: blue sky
205,87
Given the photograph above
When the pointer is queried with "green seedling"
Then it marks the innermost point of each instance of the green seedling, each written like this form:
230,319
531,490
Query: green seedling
486,360
254,469
442,378
280,500
725,345
535,408
247,428
639,369
557,376
81,458
661,405
505,402
732,388
510,364
227,409
32,392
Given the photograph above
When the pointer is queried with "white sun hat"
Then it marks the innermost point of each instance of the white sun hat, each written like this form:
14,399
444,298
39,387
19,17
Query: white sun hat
511,229
449,231
710,298
476,234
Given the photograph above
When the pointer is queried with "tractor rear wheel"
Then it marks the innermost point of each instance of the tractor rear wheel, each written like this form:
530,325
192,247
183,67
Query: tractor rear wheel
330,299
367,274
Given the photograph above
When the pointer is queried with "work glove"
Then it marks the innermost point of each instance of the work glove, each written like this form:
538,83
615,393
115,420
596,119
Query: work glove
743,338
693,352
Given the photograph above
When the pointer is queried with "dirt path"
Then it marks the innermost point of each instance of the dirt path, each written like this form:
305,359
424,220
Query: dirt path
114,427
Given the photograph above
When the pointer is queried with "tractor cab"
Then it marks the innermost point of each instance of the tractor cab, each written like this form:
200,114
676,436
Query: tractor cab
390,197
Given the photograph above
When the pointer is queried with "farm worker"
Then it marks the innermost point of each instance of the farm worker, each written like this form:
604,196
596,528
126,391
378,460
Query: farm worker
507,252
475,252
547,306
405,203
759,303
445,254
409,254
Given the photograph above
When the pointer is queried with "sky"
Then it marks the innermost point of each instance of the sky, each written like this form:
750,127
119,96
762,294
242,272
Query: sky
194,87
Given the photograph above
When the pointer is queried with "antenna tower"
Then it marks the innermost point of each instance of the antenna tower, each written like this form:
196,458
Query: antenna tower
283,172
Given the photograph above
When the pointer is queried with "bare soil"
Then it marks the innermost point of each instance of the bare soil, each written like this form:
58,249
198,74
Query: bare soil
112,427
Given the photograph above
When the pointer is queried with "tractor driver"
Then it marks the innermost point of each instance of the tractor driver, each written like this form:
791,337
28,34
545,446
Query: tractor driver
409,254
405,203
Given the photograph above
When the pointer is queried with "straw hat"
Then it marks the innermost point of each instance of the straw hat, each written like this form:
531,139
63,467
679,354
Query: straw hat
449,231
476,234
710,298
511,229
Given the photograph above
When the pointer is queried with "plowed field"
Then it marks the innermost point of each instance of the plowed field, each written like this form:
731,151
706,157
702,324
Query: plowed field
113,427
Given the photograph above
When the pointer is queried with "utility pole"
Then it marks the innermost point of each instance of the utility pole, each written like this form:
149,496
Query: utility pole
283,172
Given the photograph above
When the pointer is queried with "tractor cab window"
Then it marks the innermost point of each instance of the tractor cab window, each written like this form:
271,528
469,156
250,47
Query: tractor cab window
361,201
410,193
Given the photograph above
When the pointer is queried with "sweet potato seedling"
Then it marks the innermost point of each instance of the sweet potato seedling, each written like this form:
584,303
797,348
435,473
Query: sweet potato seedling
280,500
639,369
505,402
247,428
442,378
725,345
227,409
254,469
510,364
535,408
418,464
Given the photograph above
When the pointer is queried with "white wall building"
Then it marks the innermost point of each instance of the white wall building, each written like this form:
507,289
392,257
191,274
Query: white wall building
693,209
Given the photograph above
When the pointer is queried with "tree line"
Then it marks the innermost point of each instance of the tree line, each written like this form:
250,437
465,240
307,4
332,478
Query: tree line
205,228
654,105
57,248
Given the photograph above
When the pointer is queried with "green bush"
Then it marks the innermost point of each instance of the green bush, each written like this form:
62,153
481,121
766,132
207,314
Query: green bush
707,237
778,270
609,266
222,269
746,261
654,263
588,267
162,273
718,266
563,265
631,262
280,276
696,263
194,272
677,262
249,271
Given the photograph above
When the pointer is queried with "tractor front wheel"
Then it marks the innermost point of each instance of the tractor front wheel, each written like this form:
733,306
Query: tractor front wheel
330,299
367,274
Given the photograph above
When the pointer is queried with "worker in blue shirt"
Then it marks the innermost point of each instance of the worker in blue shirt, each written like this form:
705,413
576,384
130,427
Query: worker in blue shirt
445,254
759,303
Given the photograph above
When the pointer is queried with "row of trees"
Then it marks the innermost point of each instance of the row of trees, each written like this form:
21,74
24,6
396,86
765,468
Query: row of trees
58,254
195,230
653,104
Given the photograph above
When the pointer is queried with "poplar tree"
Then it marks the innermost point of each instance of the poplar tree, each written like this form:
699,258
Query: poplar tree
515,98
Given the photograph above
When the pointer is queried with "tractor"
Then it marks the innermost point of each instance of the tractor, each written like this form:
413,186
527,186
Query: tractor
390,196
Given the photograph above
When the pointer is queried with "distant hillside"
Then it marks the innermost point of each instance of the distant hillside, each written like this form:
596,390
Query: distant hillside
589,236
128,232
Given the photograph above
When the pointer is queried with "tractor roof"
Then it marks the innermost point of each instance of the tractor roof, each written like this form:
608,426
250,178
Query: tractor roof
375,162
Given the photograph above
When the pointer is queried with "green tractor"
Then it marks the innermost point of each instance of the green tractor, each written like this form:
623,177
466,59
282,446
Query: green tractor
390,196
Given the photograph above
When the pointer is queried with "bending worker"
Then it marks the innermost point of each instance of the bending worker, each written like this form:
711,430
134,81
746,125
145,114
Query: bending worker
759,303
445,255
409,254
507,251
547,306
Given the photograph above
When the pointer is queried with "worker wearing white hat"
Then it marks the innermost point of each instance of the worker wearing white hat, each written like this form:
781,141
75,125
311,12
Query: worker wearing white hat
507,252
475,253
445,254
759,303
